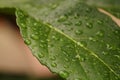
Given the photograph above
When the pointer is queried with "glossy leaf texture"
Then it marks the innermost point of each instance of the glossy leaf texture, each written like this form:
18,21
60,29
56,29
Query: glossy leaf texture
112,6
72,38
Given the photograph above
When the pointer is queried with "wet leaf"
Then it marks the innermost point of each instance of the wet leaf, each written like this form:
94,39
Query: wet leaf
72,38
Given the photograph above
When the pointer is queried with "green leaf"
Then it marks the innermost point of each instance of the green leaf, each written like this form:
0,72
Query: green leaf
11,4
72,38
114,11
103,3
112,6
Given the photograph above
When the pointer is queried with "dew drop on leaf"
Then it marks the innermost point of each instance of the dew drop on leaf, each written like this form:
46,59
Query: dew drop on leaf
65,53
53,6
78,23
64,74
77,56
73,60
104,53
54,37
40,55
62,18
99,21
78,32
53,58
35,24
109,47
117,56
89,25
66,59
66,66
27,41
42,45
81,59
53,64
116,32
23,26
92,39
100,33
34,37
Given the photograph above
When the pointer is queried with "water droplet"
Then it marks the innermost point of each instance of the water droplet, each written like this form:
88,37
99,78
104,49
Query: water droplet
54,37
41,45
117,56
116,32
27,41
66,66
109,47
66,59
78,32
53,58
40,55
65,53
100,33
35,24
99,21
73,60
53,64
92,39
89,25
64,74
62,18
53,6
104,53
35,37
23,26
79,43
79,58
78,23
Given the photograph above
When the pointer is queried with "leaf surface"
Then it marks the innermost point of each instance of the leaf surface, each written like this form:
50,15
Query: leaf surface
72,38
112,6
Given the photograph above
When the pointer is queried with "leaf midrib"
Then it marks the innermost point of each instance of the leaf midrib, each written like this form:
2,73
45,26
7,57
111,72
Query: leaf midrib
81,45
